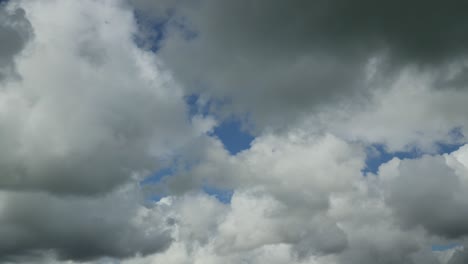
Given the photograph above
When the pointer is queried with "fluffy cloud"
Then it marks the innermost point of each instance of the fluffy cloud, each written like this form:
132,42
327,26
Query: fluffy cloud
411,112
91,108
323,210
87,111
430,192
320,210
90,113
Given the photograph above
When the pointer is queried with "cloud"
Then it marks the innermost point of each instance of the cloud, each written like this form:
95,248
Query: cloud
304,194
459,256
430,192
91,109
392,217
339,65
117,225
87,112
15,32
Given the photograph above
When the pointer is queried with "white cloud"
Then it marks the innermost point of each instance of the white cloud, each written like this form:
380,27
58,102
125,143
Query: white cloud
85,113
91,107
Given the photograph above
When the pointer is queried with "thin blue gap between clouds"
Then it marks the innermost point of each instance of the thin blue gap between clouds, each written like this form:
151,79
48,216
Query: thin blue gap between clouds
221,194
377,154
445,247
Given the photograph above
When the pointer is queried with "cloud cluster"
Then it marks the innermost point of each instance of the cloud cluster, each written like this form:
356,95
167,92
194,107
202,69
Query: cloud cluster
91,108
87,112
394,216
84,112
280,63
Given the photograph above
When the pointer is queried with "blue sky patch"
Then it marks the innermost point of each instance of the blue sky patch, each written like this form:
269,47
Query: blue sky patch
230,131
444,247
223,195
377,155
158,175
235,139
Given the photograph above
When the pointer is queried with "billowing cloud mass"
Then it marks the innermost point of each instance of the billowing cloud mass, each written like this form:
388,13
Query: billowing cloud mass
110,150
91,108
331,62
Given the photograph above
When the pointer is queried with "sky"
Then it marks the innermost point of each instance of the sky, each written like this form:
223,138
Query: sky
247,131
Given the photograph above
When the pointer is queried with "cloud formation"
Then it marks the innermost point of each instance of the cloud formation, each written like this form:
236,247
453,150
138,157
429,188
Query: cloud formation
280,63
79,228
91,109
93,101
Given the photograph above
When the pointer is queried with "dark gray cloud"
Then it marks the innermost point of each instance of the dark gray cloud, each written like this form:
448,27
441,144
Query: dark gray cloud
429,193
115,225
417,31
15,32
459,257
367,252
278,61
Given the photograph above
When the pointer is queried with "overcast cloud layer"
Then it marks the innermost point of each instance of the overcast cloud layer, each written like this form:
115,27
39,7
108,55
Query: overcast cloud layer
93,103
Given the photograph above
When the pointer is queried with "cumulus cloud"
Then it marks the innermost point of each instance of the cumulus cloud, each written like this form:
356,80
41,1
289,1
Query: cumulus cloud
320,210
392,217
91,108
93,100
430,192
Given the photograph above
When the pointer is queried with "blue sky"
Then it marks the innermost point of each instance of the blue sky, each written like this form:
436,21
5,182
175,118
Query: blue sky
377,154
444,247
